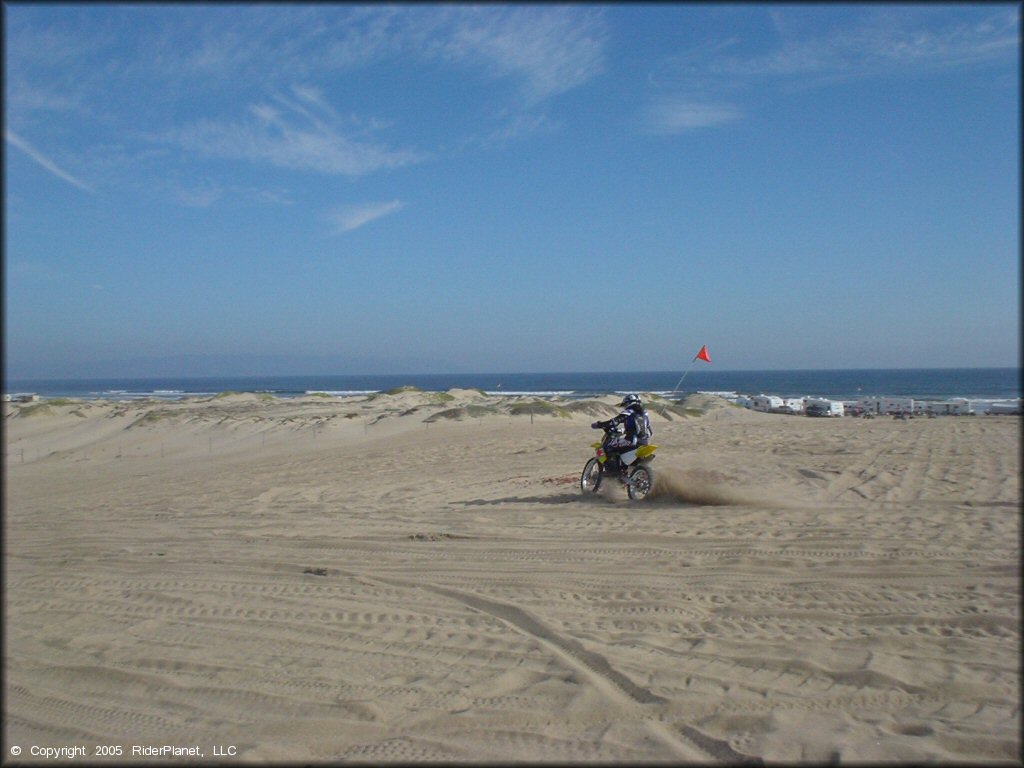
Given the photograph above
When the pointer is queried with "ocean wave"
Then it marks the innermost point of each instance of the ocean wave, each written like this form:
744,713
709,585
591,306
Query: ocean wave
988,384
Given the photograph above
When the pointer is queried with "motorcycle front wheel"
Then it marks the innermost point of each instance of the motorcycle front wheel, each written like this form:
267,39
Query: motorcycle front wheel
641,482
590,480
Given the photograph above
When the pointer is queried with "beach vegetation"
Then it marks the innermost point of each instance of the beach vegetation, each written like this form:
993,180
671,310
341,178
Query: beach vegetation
441,397
394,391
467,411
63,401
450,413
152,417
36,409
540,408
402,390
263,396
590,407
667,411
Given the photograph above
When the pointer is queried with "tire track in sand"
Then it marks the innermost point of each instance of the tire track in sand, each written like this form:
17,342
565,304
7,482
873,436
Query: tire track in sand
684,741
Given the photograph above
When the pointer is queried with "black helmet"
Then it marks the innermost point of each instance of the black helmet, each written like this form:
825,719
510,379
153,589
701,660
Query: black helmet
631,401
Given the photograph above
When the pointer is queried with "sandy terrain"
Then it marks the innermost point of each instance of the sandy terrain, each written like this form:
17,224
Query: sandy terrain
417,577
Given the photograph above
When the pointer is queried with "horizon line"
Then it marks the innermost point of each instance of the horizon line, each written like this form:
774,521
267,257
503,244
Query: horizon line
132,377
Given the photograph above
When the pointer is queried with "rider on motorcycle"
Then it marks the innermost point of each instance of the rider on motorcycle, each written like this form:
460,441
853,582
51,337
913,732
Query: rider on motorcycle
637,428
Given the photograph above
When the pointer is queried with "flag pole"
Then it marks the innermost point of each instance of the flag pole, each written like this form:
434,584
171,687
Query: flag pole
701,355
683,376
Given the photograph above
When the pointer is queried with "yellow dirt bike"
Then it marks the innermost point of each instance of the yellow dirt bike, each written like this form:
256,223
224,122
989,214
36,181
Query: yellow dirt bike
632,468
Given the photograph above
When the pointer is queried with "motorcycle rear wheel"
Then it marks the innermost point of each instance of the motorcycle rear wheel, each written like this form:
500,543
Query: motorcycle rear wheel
590,480
641,482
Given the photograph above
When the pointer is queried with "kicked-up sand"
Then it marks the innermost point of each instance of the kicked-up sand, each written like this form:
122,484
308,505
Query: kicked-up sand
417,577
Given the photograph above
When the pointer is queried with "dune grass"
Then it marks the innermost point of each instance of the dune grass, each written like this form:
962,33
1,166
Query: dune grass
231,392
539,408
463,412
36,409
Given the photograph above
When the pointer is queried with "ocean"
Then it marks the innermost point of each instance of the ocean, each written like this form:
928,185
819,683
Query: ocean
990,384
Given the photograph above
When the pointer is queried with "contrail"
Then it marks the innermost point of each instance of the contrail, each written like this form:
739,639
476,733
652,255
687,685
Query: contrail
43,160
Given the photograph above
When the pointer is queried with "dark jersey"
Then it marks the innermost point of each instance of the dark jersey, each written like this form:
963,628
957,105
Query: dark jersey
636,422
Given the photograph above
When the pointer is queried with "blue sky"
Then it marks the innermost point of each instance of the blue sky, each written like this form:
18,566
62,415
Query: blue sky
276,189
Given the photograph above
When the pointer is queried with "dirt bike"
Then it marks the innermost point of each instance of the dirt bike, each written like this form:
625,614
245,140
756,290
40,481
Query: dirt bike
632,468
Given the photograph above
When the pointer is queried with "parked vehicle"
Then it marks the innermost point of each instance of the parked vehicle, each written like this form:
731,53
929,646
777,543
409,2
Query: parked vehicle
822,407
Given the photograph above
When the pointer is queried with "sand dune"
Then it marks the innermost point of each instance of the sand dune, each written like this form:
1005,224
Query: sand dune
416,577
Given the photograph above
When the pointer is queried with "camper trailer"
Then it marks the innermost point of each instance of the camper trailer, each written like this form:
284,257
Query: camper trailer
1005,407
887,406
955,407
765,402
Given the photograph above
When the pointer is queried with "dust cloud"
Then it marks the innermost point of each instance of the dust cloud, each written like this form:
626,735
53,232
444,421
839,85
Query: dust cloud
705,489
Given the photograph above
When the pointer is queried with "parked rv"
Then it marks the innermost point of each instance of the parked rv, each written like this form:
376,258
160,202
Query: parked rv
766,403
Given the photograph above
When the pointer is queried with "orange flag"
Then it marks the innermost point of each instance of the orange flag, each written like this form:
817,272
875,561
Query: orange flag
703,354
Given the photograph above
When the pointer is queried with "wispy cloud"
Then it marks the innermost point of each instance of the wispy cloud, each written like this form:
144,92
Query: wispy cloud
816,47
548,49
552,49
670,116
268,84
511,127
291,138
44,161
348,217
884,41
